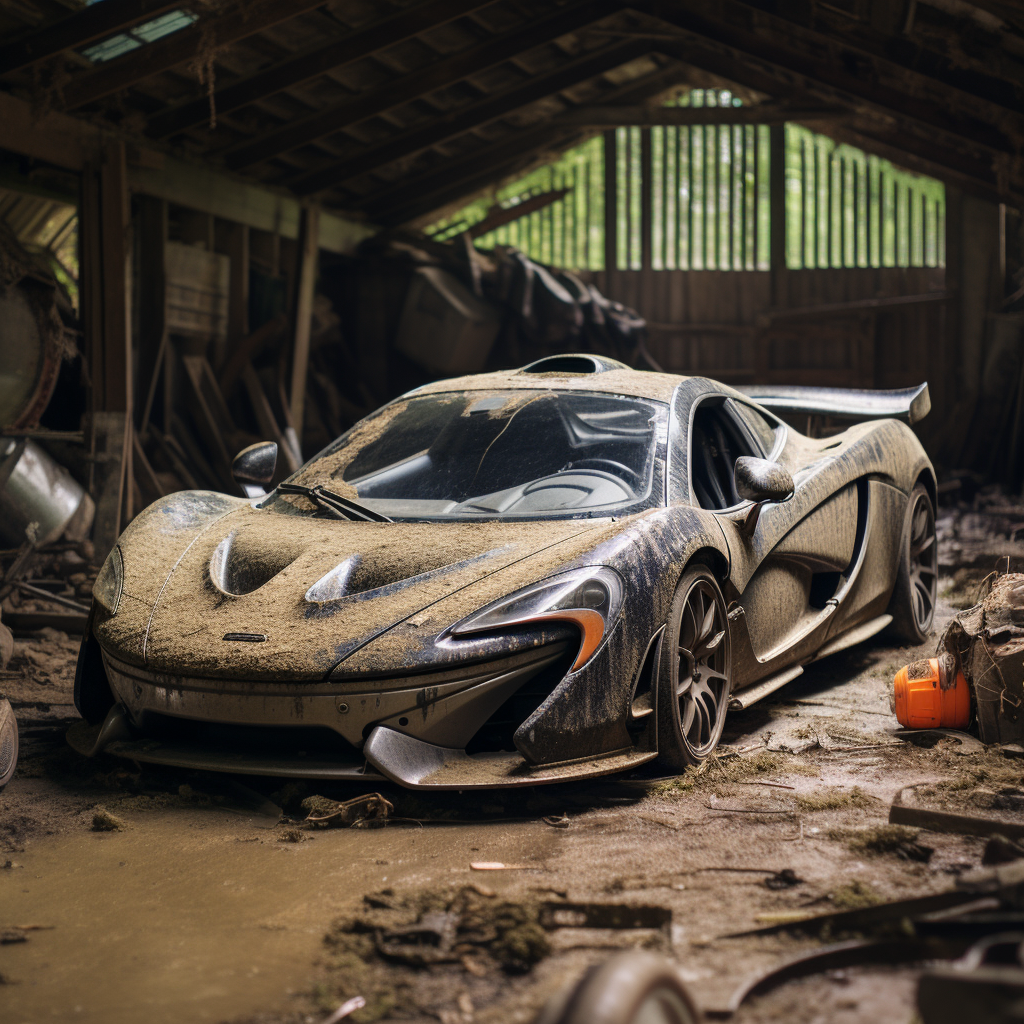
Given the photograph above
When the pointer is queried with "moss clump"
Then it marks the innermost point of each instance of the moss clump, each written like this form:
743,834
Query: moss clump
834,799
888,839
855,895
104,821
520,941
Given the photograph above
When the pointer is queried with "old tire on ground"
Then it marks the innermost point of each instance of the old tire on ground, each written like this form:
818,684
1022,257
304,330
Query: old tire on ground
630,988
913,599
695,673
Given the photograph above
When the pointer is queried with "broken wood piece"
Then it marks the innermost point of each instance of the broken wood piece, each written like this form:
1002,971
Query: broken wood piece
45,595
366,811
265,419
348,1007
945,821
495,865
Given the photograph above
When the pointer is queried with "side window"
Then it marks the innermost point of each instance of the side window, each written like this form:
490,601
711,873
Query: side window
716,442
761,427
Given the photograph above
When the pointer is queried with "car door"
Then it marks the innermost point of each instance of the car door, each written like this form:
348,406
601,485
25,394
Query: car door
786,570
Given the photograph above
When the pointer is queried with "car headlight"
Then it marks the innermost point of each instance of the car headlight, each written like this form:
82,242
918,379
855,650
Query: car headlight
106,591
590,598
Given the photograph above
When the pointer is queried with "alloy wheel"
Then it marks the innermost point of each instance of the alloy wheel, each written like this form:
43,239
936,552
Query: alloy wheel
923,562
703,686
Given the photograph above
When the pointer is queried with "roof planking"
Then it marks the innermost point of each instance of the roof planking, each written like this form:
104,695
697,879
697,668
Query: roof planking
394,109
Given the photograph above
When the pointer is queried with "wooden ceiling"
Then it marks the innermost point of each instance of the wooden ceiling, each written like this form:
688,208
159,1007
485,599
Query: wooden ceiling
394,109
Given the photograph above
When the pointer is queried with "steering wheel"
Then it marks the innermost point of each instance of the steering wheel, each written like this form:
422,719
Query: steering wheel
618,469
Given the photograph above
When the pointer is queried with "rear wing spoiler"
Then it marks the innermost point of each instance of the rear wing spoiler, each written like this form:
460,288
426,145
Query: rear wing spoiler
908,404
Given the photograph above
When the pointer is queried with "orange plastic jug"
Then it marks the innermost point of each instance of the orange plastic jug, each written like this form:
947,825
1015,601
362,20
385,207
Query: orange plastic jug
925,699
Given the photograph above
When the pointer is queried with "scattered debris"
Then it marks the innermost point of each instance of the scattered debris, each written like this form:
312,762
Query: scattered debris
935,820
556,822
888,839
104,821
293,835
368,811
348,1007
1000,850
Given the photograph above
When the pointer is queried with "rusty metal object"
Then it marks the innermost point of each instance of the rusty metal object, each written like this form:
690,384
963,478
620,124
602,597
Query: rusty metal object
36,489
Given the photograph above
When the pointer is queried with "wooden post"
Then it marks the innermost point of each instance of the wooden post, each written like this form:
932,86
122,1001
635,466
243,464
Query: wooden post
232,240
777,210
646,200
152,303
308,254
106,250
611,207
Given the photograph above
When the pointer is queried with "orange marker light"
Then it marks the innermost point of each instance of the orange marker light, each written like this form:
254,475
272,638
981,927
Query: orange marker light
923,702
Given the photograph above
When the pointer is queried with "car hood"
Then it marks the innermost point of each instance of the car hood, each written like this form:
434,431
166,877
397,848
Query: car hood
309,592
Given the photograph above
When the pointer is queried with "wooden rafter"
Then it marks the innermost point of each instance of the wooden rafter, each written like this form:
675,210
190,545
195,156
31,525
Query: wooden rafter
304,66
468,118
819,67
615,116
178,48
409,200
79,29
420,83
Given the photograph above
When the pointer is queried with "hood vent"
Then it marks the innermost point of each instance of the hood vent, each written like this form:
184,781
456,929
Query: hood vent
240,566
574,364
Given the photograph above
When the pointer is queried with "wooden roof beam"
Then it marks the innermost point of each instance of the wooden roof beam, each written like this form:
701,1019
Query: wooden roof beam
821,69
420,83
647,117
468,118
961,71
178,48
302,67
79,29
421,194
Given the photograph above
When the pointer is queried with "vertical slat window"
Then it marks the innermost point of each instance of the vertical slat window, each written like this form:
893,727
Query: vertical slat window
845,208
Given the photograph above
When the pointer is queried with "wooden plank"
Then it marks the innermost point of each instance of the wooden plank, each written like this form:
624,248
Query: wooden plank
408,88
234,243
110,439
308,266
79,29
777,208
611,207
178,48
300,68
56,138
210,414
265,419
466,119
245,202
647,117
151,284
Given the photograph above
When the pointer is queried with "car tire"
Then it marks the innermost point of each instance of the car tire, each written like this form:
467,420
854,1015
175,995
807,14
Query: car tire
913,598
8,742
695,674
630,988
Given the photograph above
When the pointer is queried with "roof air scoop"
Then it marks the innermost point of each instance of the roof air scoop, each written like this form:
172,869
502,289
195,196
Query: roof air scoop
574,363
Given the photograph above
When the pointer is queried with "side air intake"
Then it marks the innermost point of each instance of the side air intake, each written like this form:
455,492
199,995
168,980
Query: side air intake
575,363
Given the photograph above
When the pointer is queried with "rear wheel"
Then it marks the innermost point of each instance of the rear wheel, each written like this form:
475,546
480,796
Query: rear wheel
913,598
695,672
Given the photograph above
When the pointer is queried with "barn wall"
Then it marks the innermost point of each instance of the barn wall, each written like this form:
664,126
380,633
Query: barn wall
724,324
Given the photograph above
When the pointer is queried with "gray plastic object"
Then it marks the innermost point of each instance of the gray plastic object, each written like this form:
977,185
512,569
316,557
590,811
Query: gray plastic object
444,326
8,742
35,488
631,988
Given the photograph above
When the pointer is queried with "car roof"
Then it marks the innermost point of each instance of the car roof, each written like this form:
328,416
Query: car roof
615,381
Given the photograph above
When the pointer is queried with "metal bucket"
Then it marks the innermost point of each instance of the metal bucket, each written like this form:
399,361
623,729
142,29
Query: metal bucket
34,488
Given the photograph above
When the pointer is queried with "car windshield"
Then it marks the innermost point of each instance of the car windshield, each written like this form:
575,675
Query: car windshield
492,454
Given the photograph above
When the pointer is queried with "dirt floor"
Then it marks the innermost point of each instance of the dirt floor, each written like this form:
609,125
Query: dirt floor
165,896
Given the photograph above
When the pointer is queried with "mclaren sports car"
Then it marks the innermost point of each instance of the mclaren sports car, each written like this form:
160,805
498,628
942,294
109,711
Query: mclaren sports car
512,578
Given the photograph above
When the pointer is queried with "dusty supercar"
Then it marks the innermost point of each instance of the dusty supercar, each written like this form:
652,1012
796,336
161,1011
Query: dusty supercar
512,578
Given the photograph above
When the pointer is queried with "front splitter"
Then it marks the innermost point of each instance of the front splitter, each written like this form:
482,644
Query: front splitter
83,738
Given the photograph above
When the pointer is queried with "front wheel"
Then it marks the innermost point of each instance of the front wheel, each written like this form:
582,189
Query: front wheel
913,599
695,673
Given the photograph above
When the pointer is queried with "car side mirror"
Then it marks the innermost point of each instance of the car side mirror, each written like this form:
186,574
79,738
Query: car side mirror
253,467
759,480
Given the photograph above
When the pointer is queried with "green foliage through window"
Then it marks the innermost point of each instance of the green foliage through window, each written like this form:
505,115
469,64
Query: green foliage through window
696,197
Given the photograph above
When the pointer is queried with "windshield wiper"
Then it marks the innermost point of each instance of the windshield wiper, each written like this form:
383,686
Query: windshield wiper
343,508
